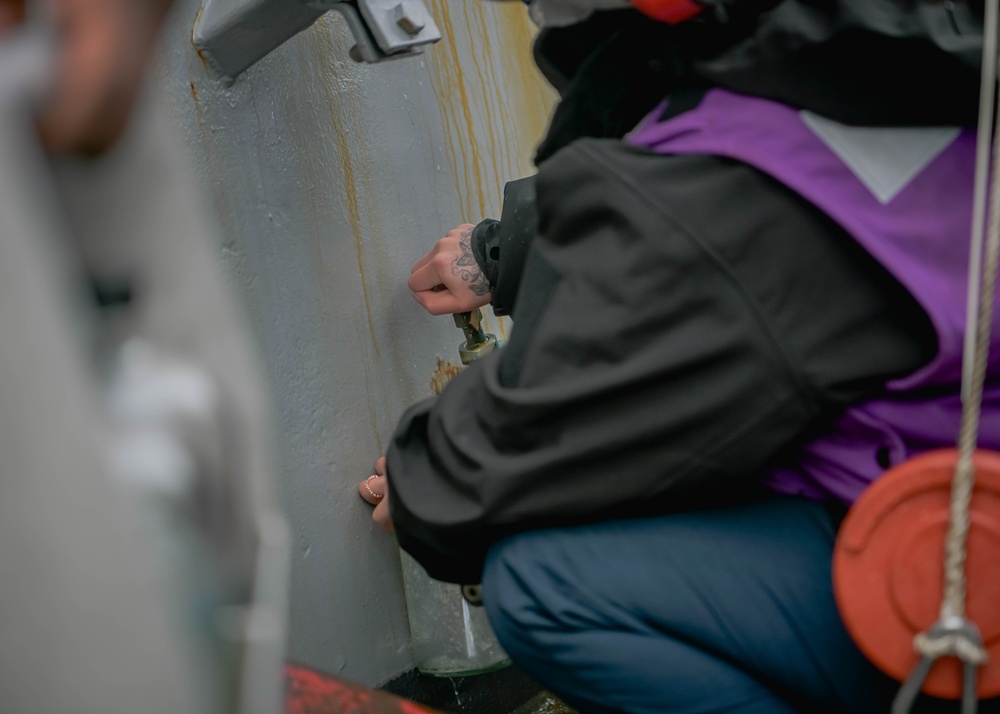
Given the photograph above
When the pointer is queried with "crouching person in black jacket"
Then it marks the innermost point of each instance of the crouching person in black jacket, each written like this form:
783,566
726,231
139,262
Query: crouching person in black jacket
720,338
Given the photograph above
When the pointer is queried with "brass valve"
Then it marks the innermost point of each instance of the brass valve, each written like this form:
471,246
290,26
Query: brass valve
477,343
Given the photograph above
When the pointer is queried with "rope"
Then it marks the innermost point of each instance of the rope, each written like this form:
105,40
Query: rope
950,645
953,602
954,635
987,93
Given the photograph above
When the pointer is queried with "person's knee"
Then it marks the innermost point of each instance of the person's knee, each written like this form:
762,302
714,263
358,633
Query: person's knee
514,590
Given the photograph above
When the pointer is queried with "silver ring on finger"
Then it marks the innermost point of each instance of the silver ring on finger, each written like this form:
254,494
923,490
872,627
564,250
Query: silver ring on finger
369,488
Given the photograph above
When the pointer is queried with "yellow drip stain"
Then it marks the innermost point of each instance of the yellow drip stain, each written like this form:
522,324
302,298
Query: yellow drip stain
371,406
347,118
219,190
426,123
489,98
459,84
448,75
197,17
534,98
352,199
513,98
354,212
497,100
354,215
443,373
450,153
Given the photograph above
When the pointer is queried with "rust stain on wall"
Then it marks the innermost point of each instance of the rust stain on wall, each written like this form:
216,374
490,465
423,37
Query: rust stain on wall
532,95
494,103
372,411
349,117
219,190
487,100
197,17
354,215
443,373
437,83
451,80
497,100
351,185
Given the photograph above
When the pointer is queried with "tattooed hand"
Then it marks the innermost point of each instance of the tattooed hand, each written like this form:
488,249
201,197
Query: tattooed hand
448,279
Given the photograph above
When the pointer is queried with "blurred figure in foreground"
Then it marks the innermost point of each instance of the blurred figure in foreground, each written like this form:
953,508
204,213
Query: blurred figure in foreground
143,563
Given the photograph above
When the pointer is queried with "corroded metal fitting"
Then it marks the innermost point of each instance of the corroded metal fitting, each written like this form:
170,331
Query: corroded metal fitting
477,343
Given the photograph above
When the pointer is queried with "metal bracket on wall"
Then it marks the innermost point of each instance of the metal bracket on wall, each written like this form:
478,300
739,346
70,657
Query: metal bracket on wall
232,35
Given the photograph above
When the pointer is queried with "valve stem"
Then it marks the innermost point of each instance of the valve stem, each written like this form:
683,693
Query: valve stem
477,343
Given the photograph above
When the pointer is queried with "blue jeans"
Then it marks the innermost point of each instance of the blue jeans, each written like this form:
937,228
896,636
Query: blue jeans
729,610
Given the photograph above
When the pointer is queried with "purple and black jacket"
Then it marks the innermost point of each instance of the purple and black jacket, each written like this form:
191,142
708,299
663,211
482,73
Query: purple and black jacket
916,224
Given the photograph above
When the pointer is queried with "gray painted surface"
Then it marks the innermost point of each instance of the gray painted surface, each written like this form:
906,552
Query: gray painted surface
328,179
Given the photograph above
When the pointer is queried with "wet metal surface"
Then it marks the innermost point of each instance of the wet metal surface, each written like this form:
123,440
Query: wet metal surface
328,179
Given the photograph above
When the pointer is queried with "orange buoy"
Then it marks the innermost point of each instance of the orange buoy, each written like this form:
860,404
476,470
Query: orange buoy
888,570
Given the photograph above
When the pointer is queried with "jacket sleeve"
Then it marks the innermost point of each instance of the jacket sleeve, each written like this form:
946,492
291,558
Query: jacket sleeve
501,247
680,320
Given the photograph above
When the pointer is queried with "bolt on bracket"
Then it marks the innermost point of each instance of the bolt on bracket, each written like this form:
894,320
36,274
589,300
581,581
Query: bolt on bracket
232,35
